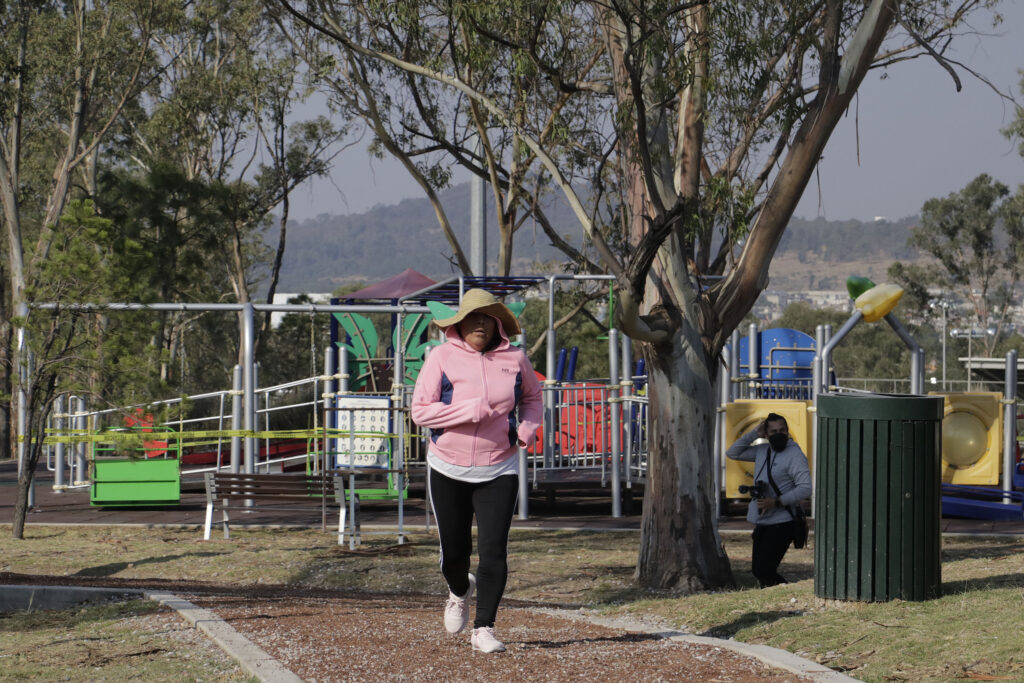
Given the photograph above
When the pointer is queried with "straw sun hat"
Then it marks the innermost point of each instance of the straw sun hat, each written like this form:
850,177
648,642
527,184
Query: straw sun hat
485,302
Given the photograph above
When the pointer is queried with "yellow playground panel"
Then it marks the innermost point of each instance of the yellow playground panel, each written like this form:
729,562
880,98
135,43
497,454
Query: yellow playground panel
743,415
972,438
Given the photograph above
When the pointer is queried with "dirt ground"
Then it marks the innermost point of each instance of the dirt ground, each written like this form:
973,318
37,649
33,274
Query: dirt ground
324,635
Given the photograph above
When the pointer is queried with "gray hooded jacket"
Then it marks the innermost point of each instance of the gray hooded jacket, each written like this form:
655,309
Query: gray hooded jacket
789,471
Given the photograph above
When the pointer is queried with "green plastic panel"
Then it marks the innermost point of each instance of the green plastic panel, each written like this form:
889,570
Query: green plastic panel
136,470
135,482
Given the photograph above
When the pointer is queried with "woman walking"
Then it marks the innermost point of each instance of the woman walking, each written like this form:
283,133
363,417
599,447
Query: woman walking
482,402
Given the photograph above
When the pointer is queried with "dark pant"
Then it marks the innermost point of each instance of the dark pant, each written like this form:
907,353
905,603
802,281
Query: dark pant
454,503
770,544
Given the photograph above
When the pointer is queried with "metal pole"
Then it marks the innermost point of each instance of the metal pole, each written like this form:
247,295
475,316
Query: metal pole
266,421
342,370
970,355
550,382
817,382
330,379
236,419
719,450
614,405
327,398
916,354
398,420
826,353
1009,421
81,424
478,218
943,345
626,385
342,389
524,486
734,364
59,449
626,361
817,389
524,473
249,386
352,477
919,371
753,366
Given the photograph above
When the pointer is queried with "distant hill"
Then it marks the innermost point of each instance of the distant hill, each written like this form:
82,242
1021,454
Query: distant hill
331,250
325,252
819,254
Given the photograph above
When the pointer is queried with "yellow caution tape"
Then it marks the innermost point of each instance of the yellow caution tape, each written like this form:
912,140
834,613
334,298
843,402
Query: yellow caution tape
199,438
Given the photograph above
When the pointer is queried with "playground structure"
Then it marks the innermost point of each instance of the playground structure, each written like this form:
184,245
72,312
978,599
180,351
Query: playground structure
593,436
782,371
584,430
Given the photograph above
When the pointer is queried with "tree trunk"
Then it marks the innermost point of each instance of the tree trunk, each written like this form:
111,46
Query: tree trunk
21,504
6,350
680,546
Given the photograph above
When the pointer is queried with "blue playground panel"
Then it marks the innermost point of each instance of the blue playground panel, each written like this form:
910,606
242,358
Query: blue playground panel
785,362
978,502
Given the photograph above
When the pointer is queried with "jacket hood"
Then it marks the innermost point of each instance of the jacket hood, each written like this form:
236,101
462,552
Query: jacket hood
451,333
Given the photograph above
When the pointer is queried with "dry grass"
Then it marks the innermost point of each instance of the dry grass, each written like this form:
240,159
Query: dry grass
134,640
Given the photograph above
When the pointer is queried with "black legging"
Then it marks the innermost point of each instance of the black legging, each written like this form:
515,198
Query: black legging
454,503
770,544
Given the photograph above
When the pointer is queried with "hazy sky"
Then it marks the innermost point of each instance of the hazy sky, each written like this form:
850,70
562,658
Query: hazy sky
918,138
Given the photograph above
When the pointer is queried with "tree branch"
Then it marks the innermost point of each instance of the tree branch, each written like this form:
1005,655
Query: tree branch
574,202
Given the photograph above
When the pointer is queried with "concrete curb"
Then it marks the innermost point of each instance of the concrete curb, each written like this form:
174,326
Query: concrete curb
773,656
252,658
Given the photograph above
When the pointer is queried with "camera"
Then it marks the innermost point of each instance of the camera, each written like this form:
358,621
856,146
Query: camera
759,489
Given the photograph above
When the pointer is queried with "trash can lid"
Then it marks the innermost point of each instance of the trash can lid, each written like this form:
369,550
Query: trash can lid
881,407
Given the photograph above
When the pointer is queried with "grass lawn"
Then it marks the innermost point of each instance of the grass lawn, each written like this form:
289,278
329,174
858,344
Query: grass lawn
135,640
974,631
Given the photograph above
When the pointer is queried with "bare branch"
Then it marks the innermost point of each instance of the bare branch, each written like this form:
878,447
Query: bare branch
576,310
454,82
930,50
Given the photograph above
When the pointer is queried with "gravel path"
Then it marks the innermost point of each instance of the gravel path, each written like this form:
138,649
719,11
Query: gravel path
400,638
325,636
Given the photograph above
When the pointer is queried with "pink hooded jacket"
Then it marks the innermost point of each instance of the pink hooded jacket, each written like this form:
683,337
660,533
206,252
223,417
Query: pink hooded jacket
470,400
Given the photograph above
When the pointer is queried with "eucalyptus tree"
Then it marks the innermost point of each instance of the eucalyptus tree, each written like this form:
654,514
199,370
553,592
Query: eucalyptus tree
431,129
1015,131
69,70
223,115
699,126
975,240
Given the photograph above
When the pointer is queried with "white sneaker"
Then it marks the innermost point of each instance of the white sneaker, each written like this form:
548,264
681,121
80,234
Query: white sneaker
483,639
456,611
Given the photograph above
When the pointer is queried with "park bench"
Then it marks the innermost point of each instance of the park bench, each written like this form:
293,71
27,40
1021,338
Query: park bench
282,491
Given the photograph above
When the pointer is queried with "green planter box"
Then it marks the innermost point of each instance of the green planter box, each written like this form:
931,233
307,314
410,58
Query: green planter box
124,481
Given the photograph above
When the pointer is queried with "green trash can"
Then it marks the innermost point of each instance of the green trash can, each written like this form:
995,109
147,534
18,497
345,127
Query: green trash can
878,503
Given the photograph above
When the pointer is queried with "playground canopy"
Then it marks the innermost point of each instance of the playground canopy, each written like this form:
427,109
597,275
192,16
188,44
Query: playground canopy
447,291
394,287
412,287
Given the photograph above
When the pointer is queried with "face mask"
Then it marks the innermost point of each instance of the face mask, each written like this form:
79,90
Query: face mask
778,441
